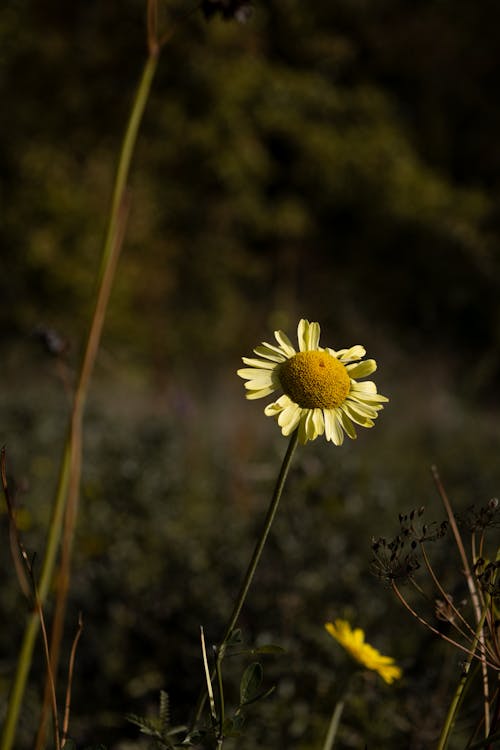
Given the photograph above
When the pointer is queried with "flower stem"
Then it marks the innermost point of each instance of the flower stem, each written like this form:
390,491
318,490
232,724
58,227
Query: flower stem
71,463
273,507
334,725
252,566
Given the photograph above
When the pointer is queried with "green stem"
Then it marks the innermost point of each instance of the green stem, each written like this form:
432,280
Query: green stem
334,725
268,522
222,710
71,450
459,692
252,566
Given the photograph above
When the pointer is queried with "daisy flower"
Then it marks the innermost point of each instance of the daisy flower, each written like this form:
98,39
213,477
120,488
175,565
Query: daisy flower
354,643
321,393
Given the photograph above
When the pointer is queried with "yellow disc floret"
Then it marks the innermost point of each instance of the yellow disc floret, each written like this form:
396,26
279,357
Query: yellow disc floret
314,380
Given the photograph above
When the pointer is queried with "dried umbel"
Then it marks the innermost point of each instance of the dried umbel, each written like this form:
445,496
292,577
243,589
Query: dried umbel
392,560
482,518
488,577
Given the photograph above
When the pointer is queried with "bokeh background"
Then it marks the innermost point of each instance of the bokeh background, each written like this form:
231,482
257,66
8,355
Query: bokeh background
336,160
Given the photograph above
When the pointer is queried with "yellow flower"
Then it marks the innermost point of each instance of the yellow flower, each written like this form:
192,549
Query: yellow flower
320,392
354,642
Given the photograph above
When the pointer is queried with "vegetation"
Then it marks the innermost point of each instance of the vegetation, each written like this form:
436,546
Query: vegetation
336,161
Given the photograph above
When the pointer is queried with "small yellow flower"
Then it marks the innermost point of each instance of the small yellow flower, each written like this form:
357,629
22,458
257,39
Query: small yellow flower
320,392
354,642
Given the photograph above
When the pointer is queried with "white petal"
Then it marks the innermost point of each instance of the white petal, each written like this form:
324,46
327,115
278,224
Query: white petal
302,428
367,394
333,430
372,399
357,418
257,383
319,422
362,369
362,408
302,329
309,425
285,343
352,354
289,419
272,410
260,393
253,372
308,335
259,363
312,336
281,403
269,351
367,386
346,423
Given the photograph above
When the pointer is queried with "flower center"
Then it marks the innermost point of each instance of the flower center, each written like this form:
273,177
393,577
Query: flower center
314,380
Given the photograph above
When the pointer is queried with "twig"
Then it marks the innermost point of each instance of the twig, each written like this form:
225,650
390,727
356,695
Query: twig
50,673
434,630
76,437
446,596
475,598
25,569
210,691
67,703
18,552
458,540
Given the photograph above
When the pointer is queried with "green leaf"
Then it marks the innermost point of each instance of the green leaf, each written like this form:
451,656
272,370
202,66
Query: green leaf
233,725
235,638
164,712
259,696
250,682
146,726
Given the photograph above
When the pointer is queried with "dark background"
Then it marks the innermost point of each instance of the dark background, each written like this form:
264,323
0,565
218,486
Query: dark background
337,161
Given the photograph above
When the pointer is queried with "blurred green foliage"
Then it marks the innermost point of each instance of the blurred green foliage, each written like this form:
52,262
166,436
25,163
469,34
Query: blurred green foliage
336,160
168,522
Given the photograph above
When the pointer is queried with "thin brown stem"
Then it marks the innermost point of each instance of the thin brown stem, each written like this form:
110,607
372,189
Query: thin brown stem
25,571
50,673
152,25
460,545
18,552
446,597
431,627
71,667
76,439
474,594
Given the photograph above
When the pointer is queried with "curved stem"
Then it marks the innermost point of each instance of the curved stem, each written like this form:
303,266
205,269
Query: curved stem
273,507
69,474
334,725
254,561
